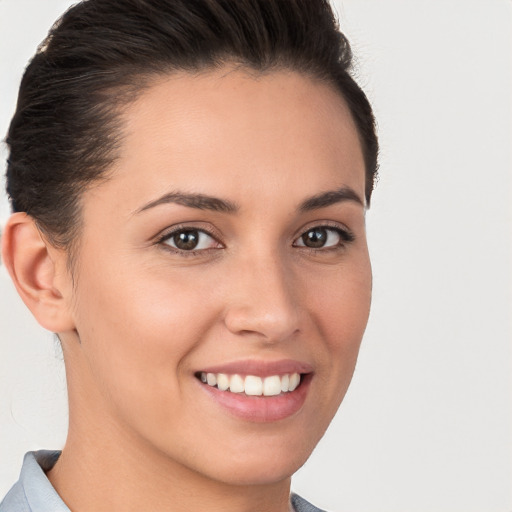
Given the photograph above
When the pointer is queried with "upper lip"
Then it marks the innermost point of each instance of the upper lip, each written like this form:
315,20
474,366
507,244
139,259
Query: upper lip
260,368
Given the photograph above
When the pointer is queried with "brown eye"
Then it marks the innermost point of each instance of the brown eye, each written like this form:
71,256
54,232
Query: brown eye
324,237
186,240
315,238
190,240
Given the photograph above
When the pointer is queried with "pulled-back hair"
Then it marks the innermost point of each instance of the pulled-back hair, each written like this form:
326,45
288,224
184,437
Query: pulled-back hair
102,53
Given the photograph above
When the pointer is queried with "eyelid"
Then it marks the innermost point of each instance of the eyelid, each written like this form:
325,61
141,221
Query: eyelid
327,224
168,232
347,236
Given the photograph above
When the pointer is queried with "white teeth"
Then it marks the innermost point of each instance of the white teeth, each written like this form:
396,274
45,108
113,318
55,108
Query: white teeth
211,379
222,381
236,384
253,385
294,381
272,386
285,383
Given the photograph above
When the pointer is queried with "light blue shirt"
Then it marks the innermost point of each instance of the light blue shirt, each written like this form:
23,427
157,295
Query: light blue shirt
33,492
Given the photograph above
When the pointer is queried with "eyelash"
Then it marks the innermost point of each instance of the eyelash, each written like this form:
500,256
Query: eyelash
346,237
183,229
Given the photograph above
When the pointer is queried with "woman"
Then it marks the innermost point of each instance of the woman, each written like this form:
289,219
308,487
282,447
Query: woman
189,181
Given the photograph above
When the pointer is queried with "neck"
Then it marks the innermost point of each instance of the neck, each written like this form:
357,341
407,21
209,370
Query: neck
95,475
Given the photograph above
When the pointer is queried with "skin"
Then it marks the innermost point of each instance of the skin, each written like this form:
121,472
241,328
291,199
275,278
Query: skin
140,319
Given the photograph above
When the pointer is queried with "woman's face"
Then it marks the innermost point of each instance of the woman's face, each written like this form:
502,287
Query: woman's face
229,245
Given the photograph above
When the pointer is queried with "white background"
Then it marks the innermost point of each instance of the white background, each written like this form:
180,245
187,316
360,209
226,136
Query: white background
427,423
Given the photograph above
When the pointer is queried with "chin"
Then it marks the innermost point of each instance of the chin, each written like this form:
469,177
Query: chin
261,464
267,472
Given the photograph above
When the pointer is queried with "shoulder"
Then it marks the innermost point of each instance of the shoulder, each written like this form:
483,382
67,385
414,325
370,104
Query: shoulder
33,492
301,505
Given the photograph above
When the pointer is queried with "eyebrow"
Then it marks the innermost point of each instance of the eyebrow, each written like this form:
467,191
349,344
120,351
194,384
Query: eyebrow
329,198
205,202
199,201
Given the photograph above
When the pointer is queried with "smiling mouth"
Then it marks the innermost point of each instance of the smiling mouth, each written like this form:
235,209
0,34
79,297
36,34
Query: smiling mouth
252,385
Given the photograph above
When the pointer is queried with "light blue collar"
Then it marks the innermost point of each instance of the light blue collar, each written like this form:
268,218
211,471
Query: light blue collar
33,492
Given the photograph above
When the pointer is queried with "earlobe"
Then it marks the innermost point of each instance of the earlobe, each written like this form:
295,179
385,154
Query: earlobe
36,270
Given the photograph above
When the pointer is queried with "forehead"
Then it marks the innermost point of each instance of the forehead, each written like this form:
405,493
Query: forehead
231,132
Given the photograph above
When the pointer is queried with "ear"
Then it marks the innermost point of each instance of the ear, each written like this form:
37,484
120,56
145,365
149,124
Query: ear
39,272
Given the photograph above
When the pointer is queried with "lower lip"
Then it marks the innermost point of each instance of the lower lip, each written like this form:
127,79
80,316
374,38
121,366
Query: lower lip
262,409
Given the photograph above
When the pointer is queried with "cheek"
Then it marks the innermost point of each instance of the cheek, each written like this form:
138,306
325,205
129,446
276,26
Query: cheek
343,300
136,329
341,309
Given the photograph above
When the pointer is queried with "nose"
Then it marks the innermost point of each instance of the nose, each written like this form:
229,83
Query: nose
263,300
